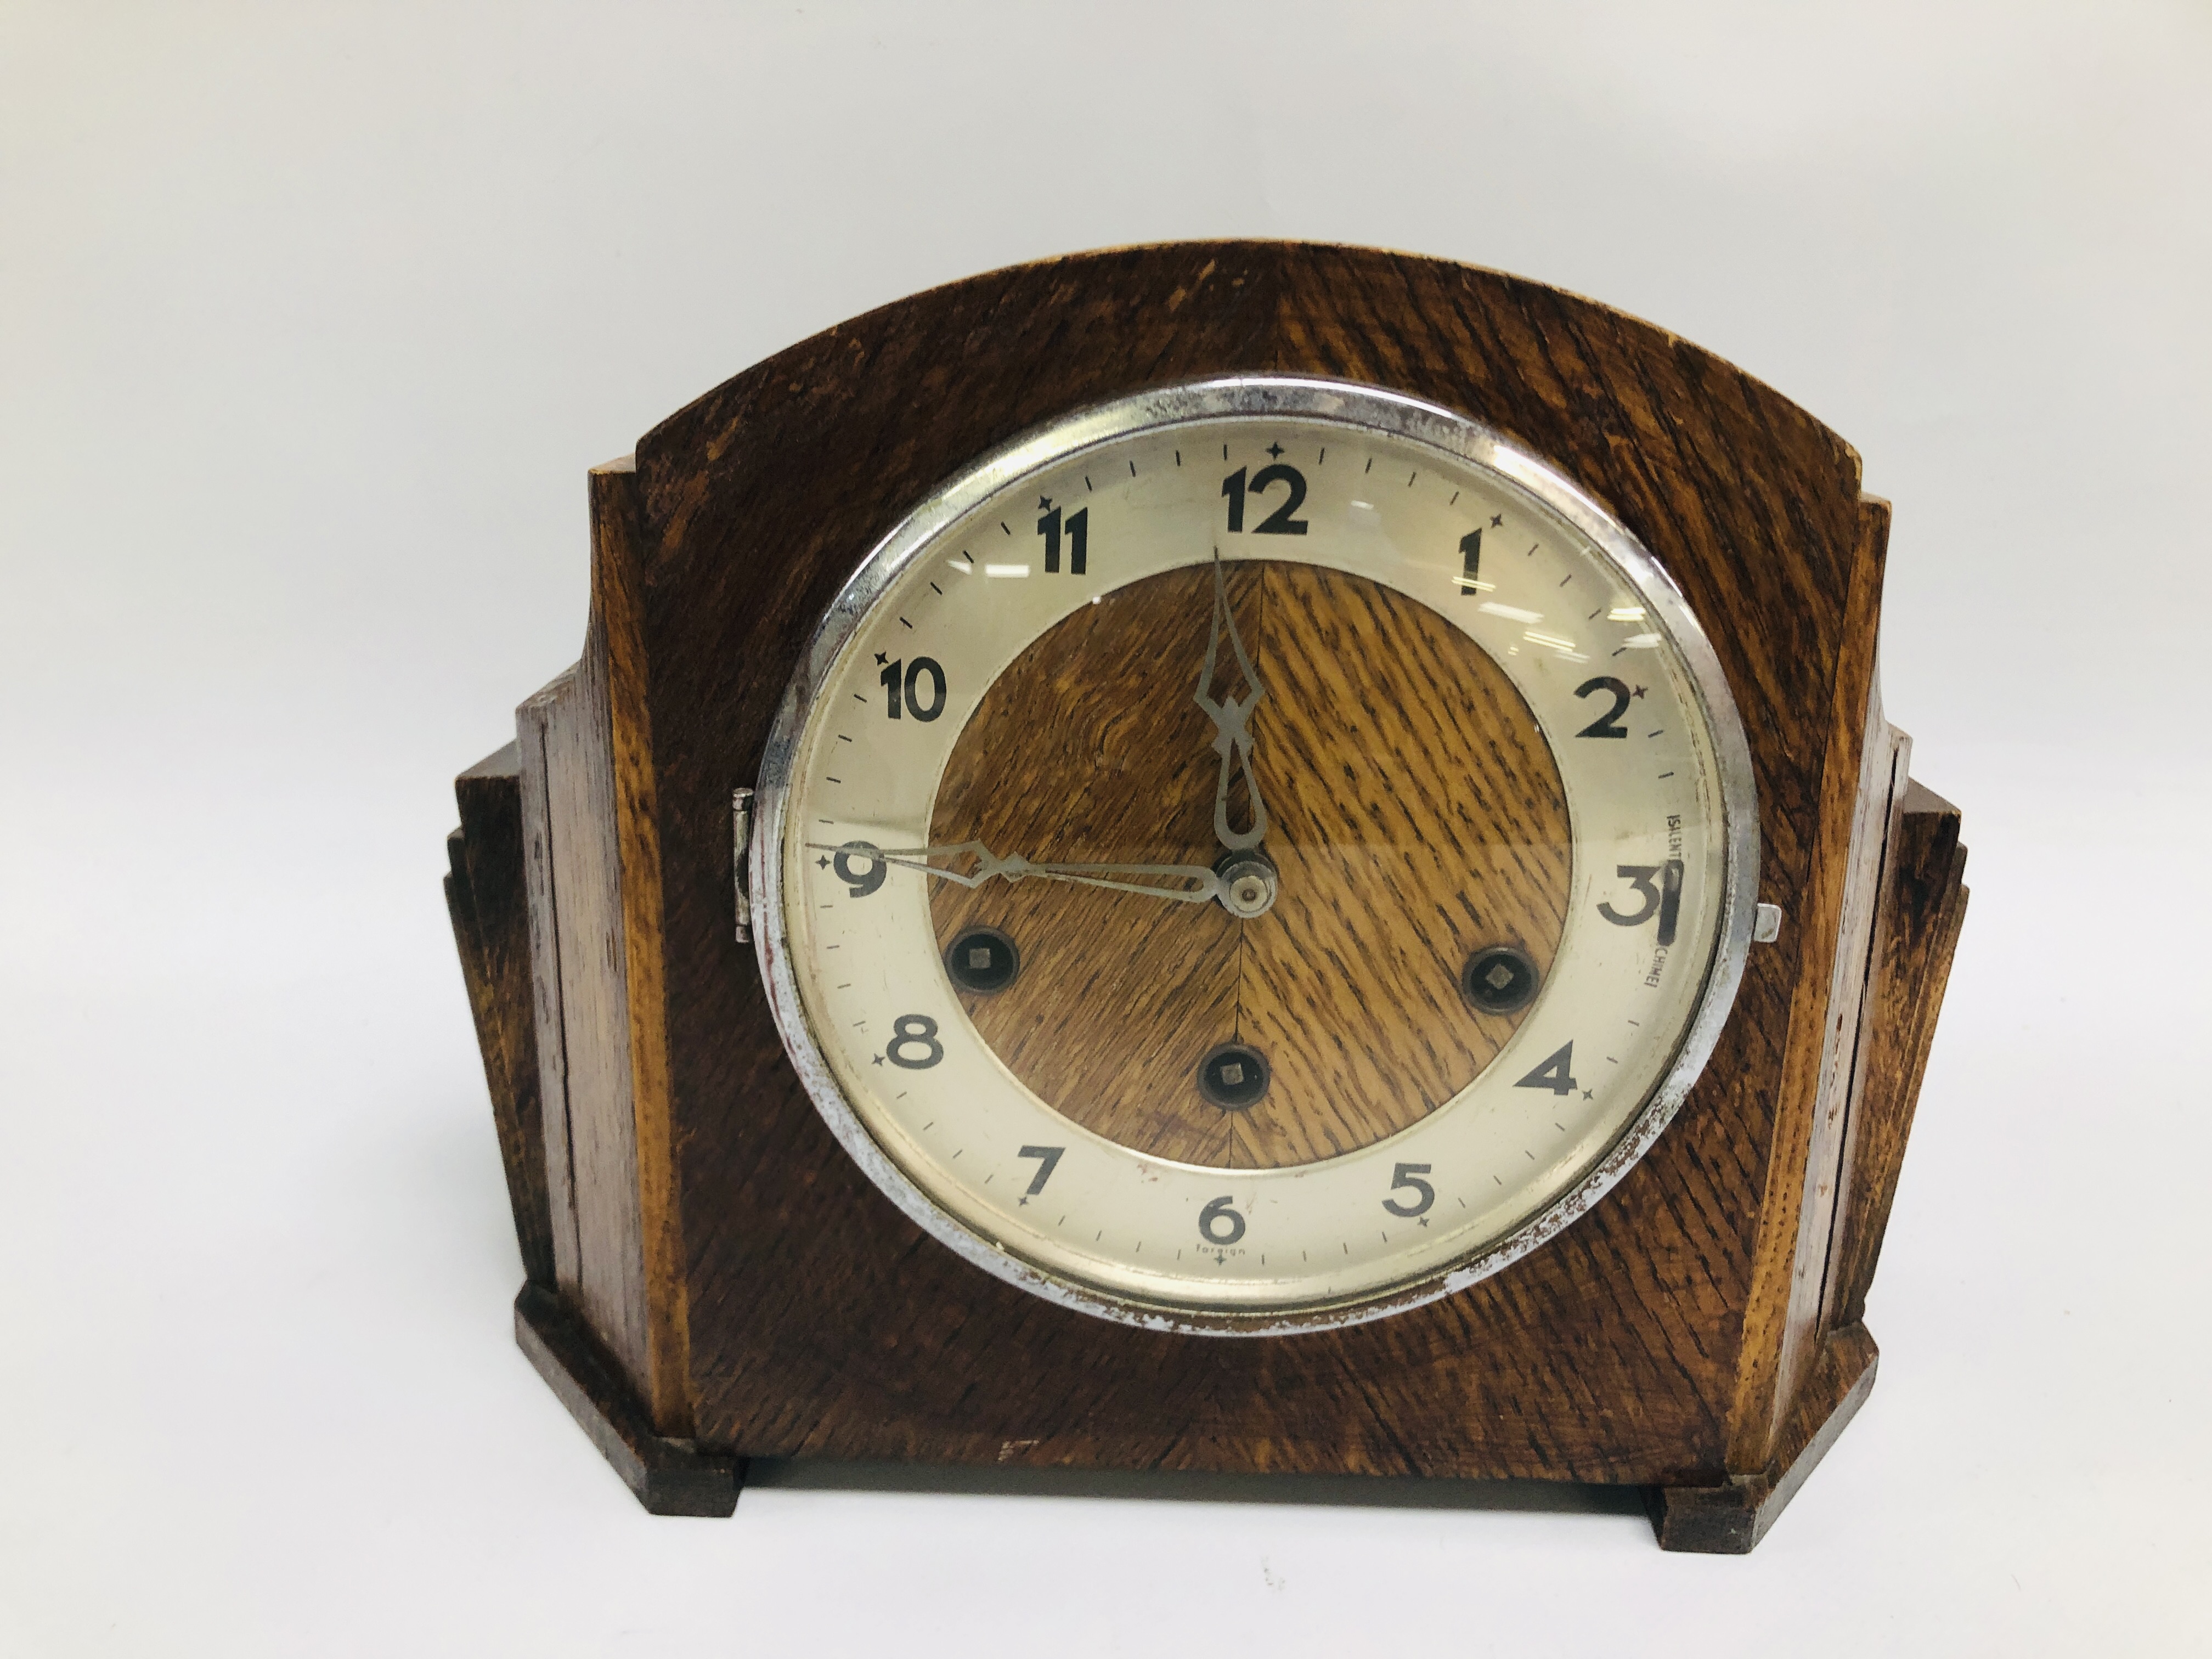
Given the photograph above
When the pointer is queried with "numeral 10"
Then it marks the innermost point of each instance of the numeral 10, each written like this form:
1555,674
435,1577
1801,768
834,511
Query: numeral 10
909,676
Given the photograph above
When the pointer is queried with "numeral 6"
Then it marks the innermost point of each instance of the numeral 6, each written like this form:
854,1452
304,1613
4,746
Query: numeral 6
1219,1224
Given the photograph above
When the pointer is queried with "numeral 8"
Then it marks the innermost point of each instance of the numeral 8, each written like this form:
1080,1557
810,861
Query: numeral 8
914,1030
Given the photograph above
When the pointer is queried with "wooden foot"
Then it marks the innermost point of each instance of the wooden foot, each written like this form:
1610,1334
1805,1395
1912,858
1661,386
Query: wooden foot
670,1477
1731,1518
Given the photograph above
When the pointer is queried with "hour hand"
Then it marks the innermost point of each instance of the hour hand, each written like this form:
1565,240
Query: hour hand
1191,883
1231,718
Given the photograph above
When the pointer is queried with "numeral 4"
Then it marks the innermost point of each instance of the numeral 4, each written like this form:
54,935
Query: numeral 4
1557,1073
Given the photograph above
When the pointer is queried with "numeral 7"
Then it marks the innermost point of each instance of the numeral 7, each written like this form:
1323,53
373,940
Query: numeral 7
1050,1157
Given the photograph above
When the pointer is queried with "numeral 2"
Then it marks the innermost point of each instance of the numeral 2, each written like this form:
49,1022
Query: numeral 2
1607,725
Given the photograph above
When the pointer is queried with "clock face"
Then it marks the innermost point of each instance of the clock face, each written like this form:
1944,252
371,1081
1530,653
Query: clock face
1255,855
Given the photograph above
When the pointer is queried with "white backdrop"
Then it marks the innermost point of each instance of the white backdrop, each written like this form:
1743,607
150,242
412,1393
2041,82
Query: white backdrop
311,320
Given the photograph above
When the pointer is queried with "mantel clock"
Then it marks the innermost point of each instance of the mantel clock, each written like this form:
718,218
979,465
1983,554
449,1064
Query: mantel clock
1239,857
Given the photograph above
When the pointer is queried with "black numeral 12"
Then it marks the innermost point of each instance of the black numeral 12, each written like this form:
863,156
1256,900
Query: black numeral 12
1281,521
1078,538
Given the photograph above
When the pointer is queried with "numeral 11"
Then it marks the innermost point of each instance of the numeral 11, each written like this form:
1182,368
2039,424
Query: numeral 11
1079,533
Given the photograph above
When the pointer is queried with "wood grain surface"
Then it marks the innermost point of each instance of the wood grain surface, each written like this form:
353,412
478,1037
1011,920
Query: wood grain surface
1414,815
534,720
1860,777
1641,1345
1924,906
657,1250
567,757
487,898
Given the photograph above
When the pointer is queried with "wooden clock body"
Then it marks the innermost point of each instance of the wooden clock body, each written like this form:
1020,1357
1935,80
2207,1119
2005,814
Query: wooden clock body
711,1279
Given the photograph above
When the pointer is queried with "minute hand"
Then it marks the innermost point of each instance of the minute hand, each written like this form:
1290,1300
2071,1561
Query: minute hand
1205,886
1232,732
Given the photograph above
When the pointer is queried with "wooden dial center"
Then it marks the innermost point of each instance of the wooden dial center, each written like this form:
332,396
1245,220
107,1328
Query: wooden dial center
1415,817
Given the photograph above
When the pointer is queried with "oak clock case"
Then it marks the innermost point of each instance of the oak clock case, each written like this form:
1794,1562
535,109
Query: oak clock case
1231,857
1307,1027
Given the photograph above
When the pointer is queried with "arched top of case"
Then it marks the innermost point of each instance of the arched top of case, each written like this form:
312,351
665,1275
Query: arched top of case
911,390
749,506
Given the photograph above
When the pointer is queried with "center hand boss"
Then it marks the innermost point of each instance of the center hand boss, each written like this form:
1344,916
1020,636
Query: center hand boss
1232,735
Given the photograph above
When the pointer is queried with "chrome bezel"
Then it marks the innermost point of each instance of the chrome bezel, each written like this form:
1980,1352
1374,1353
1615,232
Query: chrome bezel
1260,395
